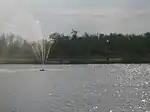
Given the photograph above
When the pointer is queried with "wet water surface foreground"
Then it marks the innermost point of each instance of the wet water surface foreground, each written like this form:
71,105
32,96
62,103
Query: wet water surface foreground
75,88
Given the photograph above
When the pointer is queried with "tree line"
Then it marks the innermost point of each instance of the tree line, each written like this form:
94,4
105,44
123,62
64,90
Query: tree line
114,45
12,46
86,46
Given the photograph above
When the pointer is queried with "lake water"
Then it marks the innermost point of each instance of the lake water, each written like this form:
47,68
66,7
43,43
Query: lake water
75,88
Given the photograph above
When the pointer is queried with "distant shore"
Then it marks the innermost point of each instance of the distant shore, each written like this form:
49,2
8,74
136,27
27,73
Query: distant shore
76,61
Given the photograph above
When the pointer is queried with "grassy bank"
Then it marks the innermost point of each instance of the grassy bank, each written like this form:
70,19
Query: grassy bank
97,61
17,61
75,61
125,60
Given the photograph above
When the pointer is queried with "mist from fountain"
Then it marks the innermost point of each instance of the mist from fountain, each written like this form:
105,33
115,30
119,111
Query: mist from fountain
15,19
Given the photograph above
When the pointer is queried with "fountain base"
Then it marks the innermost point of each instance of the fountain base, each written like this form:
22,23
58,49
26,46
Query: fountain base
42,70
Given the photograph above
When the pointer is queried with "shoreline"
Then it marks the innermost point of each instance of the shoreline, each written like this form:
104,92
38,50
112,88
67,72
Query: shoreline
75,61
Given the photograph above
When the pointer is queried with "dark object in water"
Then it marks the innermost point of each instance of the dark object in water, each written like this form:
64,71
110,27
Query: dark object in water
42,70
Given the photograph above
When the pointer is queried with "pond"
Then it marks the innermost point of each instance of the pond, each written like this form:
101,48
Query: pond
75,88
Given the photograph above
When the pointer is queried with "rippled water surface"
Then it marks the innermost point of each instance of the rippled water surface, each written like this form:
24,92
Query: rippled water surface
75,88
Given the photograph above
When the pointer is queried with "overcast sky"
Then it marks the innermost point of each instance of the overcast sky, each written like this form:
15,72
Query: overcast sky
124,16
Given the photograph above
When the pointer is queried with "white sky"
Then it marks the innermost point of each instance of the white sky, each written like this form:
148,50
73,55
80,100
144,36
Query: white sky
122,16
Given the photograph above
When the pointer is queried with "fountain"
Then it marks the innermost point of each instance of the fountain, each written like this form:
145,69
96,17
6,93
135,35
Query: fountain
15,19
